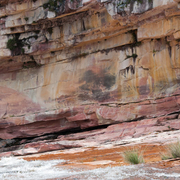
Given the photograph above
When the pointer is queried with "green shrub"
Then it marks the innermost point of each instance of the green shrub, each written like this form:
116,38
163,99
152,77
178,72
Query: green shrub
26,19
133,157
15,45
12,44
54,5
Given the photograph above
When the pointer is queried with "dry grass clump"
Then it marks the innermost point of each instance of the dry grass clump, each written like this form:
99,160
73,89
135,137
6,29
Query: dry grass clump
173,151
133,157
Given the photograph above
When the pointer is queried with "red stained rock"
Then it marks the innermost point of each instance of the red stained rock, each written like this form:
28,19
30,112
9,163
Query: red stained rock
175,124
90,116
78,117
43,146
36,129
6,154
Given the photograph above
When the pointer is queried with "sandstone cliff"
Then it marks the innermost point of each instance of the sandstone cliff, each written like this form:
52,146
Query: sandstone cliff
84,63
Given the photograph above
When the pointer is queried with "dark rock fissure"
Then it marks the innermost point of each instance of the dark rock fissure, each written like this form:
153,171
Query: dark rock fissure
14,144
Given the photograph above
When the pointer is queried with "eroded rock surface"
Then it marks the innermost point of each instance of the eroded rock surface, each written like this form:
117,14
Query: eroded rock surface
78,64
94,161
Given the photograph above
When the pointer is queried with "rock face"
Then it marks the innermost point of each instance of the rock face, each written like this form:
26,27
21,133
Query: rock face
84,63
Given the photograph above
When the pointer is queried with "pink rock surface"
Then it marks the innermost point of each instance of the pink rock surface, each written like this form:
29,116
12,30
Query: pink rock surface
91,116
142,131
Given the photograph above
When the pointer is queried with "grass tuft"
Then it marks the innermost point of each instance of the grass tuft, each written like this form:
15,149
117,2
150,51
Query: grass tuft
133,157
165,157
173,151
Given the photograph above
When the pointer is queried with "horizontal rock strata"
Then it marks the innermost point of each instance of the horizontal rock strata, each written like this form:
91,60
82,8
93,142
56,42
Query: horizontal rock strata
85,63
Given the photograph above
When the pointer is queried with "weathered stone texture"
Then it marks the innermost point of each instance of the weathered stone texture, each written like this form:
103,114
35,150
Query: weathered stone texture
90,63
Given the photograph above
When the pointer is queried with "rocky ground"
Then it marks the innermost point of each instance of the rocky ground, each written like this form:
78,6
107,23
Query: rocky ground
89,158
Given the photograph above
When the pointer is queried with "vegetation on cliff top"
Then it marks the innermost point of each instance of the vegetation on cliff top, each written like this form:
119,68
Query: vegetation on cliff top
124,3
56,5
